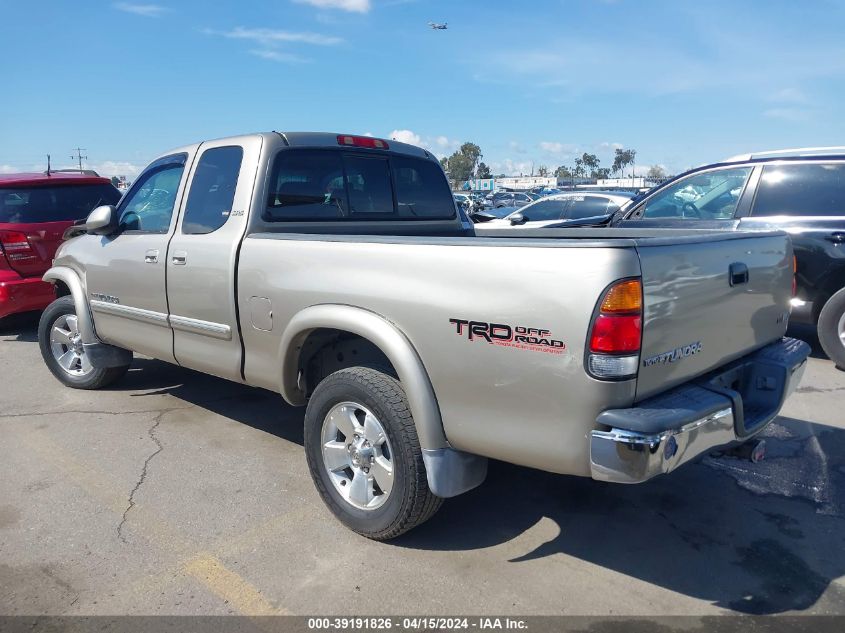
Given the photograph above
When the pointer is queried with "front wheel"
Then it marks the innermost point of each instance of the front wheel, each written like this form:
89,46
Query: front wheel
364,454
831,328
61,347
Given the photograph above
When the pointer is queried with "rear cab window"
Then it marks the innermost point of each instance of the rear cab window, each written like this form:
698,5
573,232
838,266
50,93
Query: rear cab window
55,203
801,190
309,185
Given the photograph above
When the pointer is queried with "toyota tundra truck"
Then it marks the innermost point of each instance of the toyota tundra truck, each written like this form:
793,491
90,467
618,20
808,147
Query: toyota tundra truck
337,271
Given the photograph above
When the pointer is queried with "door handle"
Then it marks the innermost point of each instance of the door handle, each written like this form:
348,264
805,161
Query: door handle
837,237
180,258
151,257
738,274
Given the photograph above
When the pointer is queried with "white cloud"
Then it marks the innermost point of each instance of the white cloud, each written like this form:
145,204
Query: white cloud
111,168
510,167
8,169
789,95
146,10
269,37
556,148
438,145
606,145
787,114
353,6
517,147
406,136
278,56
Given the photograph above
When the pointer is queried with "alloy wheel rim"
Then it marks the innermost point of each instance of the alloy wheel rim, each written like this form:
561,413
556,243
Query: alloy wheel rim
357,455
66,346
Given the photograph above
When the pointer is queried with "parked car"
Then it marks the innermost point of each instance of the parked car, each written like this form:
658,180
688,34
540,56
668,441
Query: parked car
335,270
35,210
463,201
799,191
551,210
512,199
485,214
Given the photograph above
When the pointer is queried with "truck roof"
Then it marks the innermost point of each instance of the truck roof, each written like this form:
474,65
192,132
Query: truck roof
316,139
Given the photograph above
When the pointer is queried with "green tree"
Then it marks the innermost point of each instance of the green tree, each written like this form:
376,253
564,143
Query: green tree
563,172
602,173
656,172
462,164
590,163
115,181
623,158
483,171
542,171
579,170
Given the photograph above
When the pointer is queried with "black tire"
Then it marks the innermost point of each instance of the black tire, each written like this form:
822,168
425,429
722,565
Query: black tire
94,379
410,501
830,320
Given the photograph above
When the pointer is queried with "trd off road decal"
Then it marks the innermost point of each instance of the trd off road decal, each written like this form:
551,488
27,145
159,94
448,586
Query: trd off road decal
674,355
521,337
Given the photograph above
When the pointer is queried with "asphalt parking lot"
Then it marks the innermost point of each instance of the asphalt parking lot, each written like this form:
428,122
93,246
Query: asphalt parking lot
178,493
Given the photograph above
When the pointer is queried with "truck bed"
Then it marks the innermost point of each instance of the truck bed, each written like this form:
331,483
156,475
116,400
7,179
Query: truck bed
523,405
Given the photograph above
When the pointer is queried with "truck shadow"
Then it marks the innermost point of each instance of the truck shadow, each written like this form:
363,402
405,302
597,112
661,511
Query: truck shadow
754,538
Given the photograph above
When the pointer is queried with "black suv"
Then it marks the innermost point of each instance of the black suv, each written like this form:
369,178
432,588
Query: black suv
799,191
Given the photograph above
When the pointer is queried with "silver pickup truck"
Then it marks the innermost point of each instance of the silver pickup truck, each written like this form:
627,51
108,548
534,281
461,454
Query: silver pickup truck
336,270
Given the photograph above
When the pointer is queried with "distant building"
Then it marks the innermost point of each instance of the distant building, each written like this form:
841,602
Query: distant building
639,182
526,182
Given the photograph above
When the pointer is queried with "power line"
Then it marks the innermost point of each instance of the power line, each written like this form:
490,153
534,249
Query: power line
78,156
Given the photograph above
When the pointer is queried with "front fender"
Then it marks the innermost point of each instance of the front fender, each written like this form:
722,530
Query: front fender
70,279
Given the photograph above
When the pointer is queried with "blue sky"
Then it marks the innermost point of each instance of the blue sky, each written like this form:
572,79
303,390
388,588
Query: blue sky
682,82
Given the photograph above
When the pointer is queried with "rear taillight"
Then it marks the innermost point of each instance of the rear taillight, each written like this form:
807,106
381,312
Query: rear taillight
616,332
361,141
16,246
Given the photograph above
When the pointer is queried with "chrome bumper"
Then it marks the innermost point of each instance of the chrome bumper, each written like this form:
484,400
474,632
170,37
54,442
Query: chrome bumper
696,418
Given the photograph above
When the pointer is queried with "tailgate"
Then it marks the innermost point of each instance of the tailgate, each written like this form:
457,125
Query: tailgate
696,317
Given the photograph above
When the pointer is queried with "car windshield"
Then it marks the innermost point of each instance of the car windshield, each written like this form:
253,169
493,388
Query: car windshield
61,203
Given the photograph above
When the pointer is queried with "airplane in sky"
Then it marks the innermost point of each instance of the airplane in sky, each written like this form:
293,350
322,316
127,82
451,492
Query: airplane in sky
438,27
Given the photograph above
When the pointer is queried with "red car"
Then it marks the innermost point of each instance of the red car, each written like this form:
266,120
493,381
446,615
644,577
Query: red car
35,209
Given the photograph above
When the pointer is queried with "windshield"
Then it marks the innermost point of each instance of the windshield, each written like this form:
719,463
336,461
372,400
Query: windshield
709,195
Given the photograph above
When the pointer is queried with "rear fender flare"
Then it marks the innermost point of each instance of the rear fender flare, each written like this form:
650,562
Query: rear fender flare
388,338
71,279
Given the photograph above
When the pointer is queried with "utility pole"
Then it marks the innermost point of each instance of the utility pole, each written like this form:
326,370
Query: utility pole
79,157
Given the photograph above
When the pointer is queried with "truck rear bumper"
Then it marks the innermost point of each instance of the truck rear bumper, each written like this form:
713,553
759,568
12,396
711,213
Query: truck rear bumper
726,406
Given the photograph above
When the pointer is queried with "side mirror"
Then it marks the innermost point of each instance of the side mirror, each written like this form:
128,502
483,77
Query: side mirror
102,220
518,218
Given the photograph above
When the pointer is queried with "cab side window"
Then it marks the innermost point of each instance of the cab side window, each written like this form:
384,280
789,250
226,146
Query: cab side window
804,190
590,207
148,206
546,210
711,195
212,190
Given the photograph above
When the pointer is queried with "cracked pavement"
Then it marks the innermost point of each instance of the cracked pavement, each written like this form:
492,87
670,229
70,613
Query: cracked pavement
178,493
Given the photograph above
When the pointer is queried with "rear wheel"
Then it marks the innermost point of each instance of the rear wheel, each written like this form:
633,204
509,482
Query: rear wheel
831,328
364,454
61,347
